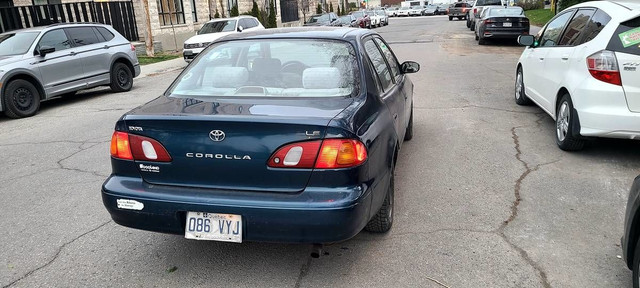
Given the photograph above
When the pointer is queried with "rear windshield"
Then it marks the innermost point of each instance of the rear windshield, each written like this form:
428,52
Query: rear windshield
626,39
16,43
319,18
271,68
358,14
515,11
218,26
488,2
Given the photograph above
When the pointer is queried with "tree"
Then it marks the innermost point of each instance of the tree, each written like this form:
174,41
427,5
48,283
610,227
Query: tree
319,9
344,11
564,4
330,6
272,16
255,11
339,13
217,15
234,11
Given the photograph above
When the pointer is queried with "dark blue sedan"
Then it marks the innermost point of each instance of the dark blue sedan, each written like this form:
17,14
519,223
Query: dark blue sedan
281,135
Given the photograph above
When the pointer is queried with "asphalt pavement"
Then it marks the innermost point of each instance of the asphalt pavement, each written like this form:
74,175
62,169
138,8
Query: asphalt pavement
484,198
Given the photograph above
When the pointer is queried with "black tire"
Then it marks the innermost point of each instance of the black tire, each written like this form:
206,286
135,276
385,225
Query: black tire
476,34
121,78
636,265
468,22
408,135
465,17
459,18
520,95
473,27
20,99
450,18
565,121
383,220
482,41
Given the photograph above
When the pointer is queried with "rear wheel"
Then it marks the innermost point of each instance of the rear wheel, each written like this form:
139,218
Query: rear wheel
450,18
565,121
408,135
481,40
459,18
121,78
521,97
21,99
636,266
476,34
383,220
473,27
468,22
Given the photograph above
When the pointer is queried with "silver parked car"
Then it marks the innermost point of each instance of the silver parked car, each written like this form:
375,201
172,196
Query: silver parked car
39,63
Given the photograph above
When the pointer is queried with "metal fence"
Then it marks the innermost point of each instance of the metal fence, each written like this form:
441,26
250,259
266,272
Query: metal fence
118,14
289,10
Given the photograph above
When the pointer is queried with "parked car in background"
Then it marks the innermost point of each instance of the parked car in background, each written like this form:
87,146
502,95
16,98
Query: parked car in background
384,19
476,9
289,144
430,10
581,69
375,18
363,19
403,11
501,23
348,21
459,10
442,9
215,29
326,19
391,11
631,238
415,11
40,63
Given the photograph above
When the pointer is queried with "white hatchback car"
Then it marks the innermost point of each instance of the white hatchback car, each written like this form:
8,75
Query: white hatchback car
583,69
215,29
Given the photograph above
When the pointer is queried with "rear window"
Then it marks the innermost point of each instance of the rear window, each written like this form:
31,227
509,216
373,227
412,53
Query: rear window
595,25
271,68
626,39
461,5
513,11
488,2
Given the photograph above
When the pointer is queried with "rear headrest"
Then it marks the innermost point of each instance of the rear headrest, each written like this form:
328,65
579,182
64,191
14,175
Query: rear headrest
229,77
321,78
266,65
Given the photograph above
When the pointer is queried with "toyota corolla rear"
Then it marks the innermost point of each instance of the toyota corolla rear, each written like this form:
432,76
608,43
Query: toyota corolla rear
247,145
608,99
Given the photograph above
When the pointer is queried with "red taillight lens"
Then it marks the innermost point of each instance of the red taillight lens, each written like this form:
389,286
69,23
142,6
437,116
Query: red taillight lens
134,147
327,154
341,153
120,146
603,66
475,11
464,10
488,21
133,48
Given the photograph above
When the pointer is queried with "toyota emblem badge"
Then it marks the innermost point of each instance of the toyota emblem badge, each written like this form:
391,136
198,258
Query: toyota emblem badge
216,135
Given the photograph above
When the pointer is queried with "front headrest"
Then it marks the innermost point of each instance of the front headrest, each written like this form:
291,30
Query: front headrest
321,78
229,77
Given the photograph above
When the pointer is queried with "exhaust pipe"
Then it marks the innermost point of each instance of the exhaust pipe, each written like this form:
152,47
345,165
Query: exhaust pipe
316,251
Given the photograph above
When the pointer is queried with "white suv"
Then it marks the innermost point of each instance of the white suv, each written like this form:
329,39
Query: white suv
215,29
583,68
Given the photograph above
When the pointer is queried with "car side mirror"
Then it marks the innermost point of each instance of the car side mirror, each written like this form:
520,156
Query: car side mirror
526,40
44,50
240,28
409,67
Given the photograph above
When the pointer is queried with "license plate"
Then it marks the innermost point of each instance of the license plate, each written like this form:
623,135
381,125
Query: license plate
507,24
213,226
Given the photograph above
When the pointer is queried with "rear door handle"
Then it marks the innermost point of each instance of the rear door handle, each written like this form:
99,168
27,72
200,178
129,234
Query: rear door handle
106,47
541,58
565,57
73,54
395,116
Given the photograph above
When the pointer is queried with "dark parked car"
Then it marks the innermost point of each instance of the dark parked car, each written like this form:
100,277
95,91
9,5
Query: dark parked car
442,9
279,135
326,19
631,238
363,19
501,22
348,21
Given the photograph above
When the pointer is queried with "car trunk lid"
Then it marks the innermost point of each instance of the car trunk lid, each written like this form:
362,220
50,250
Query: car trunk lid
625,42
226,144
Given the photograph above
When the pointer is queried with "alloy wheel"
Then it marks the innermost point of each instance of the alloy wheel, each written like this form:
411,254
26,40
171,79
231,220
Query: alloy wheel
562,121
519,85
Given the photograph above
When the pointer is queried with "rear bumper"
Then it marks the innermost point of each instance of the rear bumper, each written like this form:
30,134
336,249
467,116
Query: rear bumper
190,54
504,33
312,216
136,69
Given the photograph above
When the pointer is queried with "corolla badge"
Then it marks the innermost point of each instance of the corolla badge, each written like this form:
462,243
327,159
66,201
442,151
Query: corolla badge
216,135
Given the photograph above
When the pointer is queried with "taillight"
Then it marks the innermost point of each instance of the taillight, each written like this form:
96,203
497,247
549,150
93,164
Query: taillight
133,48
135,147
488,21
603,66
320,154
524,20
464,10
475,11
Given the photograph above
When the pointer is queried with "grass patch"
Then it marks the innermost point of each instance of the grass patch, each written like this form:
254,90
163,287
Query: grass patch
539,17
144,60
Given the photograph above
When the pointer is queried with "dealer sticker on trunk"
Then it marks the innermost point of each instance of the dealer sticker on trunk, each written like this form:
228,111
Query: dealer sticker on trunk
630,38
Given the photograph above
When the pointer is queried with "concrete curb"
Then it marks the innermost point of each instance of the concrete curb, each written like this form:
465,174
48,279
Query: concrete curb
162,67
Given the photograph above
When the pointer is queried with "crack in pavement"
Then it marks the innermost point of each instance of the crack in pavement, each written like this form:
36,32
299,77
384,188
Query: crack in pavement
476,106
304,270
49,142
81,149
56,255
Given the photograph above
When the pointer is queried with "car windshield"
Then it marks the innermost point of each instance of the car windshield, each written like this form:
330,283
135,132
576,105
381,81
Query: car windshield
346,19
271,68
319,18
218,26
16,43
358,14
404,8
488,2
513,11
380,12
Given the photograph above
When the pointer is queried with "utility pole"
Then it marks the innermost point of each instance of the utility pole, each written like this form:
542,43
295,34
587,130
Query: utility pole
148,39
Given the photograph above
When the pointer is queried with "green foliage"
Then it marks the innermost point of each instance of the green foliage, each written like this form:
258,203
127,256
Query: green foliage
319,9
353,5
217,15
531,4
330,6
272,23
339,12
255,11
344,11
564,4
234,11
539,17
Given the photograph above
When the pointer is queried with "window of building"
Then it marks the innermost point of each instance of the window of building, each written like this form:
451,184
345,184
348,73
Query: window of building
171,12
193,11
